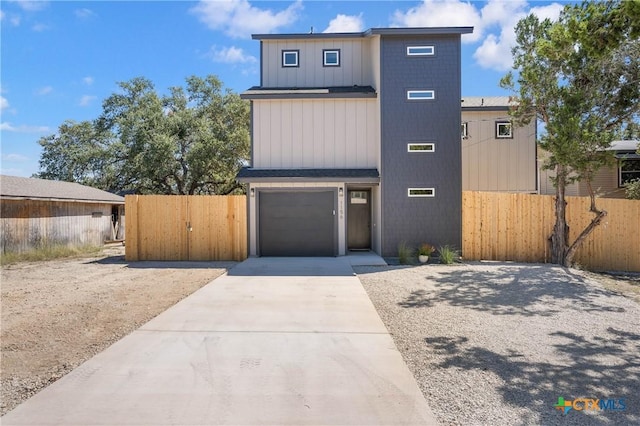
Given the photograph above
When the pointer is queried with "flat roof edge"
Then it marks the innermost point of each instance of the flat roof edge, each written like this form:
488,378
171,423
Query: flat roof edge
368,33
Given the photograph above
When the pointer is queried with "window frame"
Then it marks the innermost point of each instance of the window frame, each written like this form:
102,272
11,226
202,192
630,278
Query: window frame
416,91
324,57
428,195
432,53
425,144
284,52
502,123
623,183
464,130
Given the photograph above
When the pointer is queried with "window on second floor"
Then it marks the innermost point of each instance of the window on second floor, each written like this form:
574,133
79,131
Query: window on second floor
464,130
331,57
629,170
504,130
420,95
420,51
290,58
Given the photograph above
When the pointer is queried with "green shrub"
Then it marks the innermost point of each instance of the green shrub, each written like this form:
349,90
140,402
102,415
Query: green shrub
632,189
448,254
405,253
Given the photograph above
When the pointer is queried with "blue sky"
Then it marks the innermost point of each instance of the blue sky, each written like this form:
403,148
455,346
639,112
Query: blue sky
61,59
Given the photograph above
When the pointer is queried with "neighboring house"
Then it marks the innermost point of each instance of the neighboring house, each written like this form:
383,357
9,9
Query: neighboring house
496,155
607,182
38,212
355,142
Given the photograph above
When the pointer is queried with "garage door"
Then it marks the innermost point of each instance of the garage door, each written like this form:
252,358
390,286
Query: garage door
297,223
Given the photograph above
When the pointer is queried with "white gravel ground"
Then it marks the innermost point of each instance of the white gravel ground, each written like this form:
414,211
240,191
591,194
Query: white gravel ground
498,343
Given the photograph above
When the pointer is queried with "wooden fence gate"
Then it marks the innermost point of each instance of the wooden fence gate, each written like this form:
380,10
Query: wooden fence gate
181,227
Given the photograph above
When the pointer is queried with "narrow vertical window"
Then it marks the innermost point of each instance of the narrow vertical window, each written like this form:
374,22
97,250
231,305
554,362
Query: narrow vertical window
331,57
290,58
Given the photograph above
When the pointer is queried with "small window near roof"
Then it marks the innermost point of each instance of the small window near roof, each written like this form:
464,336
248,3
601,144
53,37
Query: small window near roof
421,192
331,57
420,95
504,130
421,147
420,51
290,58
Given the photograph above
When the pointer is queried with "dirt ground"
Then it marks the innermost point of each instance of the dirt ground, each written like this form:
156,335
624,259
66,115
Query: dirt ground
57,314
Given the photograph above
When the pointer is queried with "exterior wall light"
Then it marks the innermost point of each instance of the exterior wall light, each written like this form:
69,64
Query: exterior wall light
252,192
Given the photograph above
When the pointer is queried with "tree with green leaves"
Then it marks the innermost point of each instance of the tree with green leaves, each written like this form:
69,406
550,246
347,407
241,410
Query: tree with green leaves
192,141
580,78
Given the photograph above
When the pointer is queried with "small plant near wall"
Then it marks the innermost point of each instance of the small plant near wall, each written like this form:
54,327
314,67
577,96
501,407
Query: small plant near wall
448,254
405,253
424,251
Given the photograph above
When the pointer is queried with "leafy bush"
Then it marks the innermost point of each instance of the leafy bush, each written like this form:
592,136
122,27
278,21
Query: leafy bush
633,190
405,253
426,249
448,254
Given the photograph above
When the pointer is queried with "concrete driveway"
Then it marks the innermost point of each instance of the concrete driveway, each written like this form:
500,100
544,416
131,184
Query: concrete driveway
273,342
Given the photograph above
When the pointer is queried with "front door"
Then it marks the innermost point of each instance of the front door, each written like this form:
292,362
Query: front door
359,220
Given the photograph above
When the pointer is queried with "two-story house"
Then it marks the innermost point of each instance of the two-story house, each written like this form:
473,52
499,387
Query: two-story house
355,142
496,154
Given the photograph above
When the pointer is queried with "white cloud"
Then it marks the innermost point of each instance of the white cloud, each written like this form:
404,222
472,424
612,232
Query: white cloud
231,55
438,13
15,158
88,80
495,51
239,19
45,90
31,6
84,13
86,100
345,24
4,103
40,27
6,126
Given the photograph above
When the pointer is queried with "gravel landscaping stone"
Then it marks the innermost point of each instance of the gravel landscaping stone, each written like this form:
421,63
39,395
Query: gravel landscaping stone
497,343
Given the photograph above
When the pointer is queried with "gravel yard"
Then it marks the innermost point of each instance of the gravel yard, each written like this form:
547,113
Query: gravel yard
497,343
57,314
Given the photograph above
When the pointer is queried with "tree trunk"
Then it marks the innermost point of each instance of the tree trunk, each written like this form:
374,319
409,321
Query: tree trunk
560,236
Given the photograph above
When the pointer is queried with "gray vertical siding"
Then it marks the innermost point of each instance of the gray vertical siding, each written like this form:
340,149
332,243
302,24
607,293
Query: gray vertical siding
355,63
435,220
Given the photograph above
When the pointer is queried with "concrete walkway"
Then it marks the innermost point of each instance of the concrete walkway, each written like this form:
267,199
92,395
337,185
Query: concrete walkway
273,342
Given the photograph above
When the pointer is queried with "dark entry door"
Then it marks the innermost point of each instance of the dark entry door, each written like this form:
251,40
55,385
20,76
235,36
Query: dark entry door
359,220
297,223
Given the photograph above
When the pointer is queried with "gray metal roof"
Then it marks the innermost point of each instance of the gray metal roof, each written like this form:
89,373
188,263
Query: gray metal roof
487,102
14,187
624,145
248,174
371,31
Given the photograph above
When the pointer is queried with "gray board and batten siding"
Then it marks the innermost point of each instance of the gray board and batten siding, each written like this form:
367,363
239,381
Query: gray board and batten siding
436,220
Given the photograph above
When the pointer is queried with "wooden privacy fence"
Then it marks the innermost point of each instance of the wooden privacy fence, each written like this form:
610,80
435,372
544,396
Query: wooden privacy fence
180,227
500,226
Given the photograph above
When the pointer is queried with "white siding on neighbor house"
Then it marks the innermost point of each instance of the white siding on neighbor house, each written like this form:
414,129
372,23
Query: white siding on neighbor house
491,164
354,69
604,184
315,133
